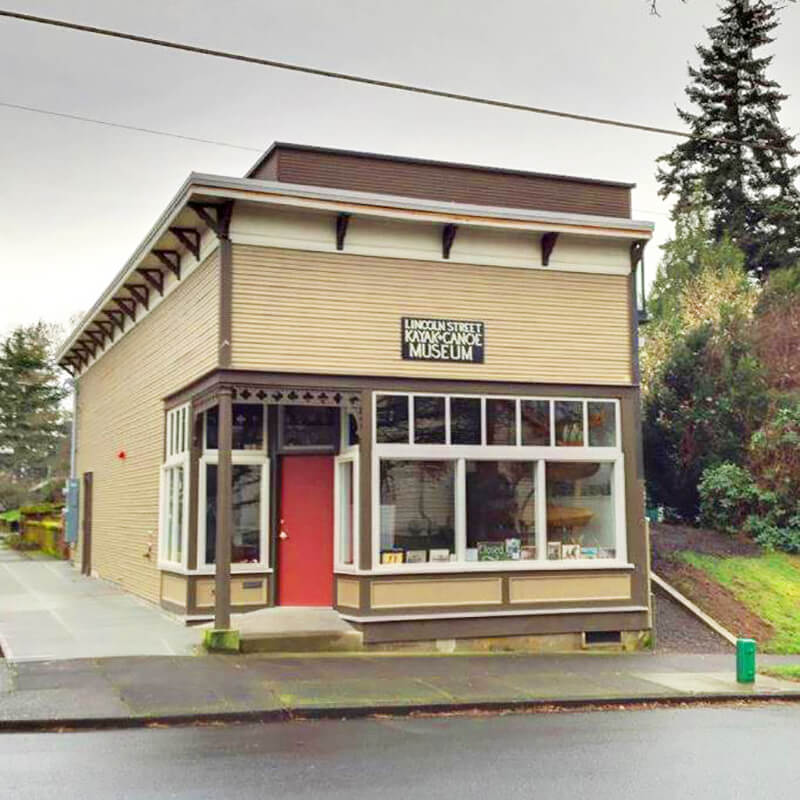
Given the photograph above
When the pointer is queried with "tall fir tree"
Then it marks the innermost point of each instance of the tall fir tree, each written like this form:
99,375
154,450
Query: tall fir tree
751,192
32,421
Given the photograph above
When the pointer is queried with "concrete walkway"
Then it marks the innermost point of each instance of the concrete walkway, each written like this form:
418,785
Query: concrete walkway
49,611
135,691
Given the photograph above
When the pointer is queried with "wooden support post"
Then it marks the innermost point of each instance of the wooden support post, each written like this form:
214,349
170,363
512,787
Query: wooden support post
222,599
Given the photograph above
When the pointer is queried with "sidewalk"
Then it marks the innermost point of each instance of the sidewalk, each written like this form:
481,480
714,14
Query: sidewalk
48,611
134,691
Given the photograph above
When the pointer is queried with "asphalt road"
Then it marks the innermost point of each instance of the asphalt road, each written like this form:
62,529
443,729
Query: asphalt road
748,752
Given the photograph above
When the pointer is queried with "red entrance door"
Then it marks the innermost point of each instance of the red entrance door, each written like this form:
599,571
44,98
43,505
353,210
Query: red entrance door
305,537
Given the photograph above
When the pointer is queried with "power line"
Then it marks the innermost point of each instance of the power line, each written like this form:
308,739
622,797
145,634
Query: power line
138,129
360,79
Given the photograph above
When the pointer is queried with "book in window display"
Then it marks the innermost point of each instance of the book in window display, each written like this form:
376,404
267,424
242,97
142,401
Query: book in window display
416,556
513,548
491,551
570,551
394,556
439,554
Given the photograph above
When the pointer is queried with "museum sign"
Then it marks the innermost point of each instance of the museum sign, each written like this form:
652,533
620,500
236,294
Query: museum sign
425,339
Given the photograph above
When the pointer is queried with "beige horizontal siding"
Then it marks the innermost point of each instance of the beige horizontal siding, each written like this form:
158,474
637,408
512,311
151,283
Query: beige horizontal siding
120,409
340,313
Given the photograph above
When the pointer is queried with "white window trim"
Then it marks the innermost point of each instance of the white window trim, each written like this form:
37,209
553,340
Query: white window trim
163,561
348,457
177,430
239,457
540,454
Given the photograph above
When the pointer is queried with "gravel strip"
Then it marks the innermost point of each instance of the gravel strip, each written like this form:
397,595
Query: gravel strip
679,631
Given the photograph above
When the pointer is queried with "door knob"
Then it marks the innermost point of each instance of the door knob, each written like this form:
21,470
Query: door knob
283,535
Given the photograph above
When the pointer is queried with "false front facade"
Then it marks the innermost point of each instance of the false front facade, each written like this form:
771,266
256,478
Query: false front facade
405,390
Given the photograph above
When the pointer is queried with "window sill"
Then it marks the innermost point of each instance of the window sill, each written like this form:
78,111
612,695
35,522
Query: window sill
243,569
466,568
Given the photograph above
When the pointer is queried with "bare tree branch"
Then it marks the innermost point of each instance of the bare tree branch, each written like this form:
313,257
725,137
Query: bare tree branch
654,7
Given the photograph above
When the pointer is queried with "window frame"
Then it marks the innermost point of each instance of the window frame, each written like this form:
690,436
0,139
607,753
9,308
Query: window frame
177,449
351,456
541,454
238,458
265,432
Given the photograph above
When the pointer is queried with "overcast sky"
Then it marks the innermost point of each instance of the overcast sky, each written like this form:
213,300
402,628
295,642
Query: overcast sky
77,198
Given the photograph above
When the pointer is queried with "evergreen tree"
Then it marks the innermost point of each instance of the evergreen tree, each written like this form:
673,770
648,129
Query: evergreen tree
751,191
32,421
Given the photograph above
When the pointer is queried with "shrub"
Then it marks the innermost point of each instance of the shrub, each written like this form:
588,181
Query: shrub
774,537
774,455
728,497
16,542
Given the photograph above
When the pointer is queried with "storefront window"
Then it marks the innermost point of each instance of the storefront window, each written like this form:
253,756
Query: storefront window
429,426
569,423
516,480
535,422
173,523
501,510
465,420
308,427
417,508
602,424
346,511
501,422
247,516
580,510
247,429
392,419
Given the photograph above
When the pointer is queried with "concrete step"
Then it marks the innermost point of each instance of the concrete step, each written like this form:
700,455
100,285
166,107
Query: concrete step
301,642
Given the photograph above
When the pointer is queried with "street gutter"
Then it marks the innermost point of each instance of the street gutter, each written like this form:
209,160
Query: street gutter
642,702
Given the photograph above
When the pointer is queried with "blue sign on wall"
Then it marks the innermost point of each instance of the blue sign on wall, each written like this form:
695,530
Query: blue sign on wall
71,533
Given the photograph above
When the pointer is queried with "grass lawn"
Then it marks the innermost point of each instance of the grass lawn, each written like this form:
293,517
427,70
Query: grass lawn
789,672
769,585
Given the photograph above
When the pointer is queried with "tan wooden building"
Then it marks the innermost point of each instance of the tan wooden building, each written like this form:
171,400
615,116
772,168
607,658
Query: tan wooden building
406,390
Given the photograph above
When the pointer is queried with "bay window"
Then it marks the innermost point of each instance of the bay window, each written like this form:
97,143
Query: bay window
470,480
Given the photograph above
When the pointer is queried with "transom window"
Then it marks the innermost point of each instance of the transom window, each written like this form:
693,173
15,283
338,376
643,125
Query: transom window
495,421
476,479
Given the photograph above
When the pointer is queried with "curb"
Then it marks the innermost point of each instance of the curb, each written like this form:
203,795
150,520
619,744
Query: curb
361,712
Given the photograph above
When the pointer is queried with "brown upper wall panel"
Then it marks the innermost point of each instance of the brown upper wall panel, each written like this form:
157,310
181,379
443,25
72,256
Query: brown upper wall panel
457,183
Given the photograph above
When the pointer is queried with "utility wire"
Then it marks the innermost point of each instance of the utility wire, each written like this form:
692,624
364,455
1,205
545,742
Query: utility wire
136,128
402,87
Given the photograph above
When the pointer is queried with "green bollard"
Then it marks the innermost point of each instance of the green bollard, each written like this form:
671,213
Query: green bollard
745,660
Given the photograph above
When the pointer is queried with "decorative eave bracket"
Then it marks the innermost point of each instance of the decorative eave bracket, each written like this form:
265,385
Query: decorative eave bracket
171,259
189,238
449,232
548,243
342,221
216,215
